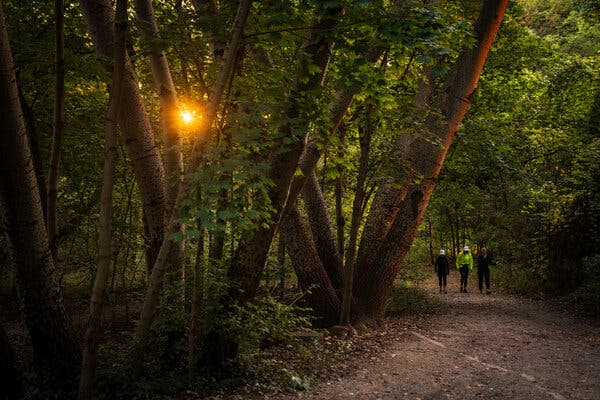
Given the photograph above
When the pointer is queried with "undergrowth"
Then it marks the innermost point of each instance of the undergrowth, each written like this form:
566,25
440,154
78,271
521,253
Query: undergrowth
586,297
407,298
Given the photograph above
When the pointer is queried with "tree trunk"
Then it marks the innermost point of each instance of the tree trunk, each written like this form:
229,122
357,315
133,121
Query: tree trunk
357,213
312,277
425,155
151,300
57,136
167,96
135,124
34,147
311,152
339,195
248,263
88,366
56,349
322,230
281,262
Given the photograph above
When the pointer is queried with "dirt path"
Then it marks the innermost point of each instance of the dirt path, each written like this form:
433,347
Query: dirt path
478,347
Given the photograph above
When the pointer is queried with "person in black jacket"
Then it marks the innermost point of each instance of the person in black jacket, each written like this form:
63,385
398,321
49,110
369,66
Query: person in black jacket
442,267
484,260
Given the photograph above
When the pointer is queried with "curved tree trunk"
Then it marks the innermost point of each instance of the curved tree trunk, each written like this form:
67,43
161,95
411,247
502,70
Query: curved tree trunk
135,124
312,277
425,156
56,348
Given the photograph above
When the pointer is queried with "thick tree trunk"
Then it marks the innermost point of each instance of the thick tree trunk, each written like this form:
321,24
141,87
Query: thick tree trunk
88,366
425,155
247,265
322,230
391,193
56,349
57,136
313,280
135,124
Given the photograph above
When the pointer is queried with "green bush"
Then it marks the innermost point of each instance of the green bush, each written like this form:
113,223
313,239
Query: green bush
520,279
265,321
168,340
586,298
407,299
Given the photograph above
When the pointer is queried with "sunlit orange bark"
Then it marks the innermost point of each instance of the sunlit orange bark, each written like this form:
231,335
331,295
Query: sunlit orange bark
425,154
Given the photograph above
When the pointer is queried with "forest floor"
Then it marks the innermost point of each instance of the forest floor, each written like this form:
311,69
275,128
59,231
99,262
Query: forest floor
476,346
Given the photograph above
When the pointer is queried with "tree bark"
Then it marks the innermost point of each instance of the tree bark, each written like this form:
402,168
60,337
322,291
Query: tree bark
88,366
340,221
57,136
425,155
151,300
56,348
312,278
248,262
322,230
135,124
281,263
34,146
357,213
167,96
313,150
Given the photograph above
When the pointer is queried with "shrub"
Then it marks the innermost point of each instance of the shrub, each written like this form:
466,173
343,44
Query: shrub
407,299
520,279
586,298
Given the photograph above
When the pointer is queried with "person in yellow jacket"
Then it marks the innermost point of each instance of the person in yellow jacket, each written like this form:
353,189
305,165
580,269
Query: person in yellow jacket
464,263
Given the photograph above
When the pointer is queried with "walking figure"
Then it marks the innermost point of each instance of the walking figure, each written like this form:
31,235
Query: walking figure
464,263
442,267
484,260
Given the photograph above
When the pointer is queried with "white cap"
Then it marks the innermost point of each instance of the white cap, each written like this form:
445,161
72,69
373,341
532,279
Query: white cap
442,252
466,248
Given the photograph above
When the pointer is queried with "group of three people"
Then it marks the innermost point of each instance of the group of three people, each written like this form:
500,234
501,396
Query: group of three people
464,263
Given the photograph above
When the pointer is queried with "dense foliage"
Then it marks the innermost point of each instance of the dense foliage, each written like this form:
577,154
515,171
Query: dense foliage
522,177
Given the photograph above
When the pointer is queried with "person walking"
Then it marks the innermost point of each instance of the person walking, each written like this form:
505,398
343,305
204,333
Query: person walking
484,260
464,263
442,267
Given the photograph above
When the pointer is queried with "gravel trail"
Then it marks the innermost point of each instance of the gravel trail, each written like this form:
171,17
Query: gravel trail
478,347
